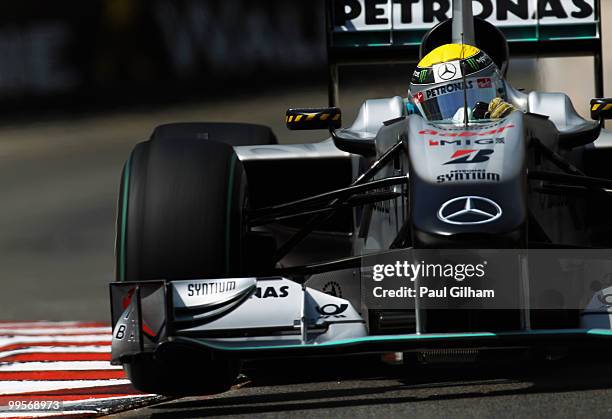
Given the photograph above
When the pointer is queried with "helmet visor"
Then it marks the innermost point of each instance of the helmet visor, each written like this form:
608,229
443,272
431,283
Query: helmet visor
446,102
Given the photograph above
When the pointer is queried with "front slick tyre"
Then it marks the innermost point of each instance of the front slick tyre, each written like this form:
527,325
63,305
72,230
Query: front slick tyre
188,374
180,217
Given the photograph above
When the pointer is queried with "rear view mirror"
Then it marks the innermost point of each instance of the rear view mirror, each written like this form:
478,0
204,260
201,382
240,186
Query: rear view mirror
313,118
601,109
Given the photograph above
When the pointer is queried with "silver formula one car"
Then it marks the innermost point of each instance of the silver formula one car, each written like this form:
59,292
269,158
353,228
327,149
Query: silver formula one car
232,247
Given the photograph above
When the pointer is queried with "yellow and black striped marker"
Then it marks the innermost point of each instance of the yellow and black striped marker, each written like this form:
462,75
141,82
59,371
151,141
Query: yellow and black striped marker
313,118
601,109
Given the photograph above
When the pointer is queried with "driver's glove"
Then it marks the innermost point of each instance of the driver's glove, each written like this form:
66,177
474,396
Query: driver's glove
500,109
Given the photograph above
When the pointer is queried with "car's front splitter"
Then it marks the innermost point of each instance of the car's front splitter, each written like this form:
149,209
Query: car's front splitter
570,338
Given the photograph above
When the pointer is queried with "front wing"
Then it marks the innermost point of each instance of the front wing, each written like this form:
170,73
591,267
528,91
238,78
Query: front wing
259,317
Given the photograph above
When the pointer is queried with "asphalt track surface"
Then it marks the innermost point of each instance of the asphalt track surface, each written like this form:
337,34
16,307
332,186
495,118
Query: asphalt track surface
59,182
365,388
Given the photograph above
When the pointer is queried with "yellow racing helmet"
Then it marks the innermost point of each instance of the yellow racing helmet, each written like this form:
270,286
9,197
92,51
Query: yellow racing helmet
441,77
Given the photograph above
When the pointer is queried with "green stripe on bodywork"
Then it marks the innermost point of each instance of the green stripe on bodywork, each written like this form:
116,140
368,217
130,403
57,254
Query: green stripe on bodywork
423,337
228,213
124,209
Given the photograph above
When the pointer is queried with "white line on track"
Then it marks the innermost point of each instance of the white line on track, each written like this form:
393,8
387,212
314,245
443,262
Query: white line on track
56,349
58,366
5,341
70,403
56,331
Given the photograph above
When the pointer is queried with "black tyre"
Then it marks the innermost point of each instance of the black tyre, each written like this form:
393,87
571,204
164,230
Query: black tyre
180,211
229,133
180,216
183,376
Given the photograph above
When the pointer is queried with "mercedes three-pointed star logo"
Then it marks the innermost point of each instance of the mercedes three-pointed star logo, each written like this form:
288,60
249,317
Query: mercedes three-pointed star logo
469,210
447,71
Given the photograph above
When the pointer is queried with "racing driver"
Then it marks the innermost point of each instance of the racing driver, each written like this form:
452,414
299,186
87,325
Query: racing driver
437,87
